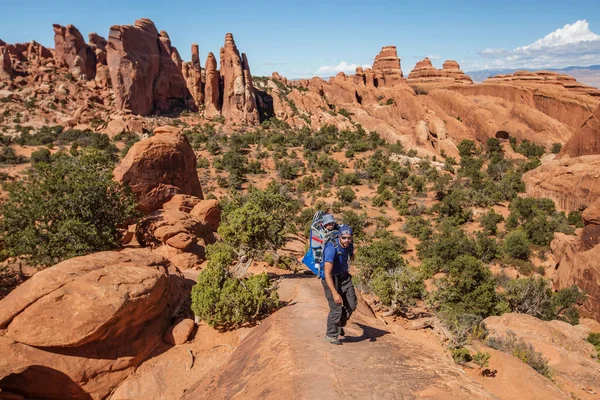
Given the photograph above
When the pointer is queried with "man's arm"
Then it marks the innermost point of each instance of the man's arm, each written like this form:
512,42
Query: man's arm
329,279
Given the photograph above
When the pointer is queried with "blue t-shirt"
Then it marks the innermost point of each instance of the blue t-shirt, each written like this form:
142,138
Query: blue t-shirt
338,256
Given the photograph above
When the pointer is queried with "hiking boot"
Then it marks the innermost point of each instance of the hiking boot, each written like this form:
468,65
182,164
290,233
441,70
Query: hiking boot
332,340
343,332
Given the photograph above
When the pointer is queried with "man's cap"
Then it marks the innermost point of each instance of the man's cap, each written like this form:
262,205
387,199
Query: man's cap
345,230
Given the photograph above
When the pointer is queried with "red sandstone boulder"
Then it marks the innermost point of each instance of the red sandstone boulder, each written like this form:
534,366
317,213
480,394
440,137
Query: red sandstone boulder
77,329
209,212
159,167
68,45
183,203
239,100
179,332
160,226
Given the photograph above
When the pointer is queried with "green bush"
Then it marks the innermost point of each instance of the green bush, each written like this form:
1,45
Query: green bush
489,222
481,359
346,194
260,219
556,148
461,355
469,288
65,210
594,339
41,155
516,245
226,302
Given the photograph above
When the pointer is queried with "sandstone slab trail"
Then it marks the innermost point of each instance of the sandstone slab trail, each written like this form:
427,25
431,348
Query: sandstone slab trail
286,358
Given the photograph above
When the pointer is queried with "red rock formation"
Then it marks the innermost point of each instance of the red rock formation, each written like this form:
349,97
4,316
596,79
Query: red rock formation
192,72
6,71
68,45
239,101
212,98
98,44
122,301
586,140
545,78
133,57
428,77
573,183
386,67
170,91
158,168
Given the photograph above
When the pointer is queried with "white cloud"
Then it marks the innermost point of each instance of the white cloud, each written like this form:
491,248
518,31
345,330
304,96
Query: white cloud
573,44
434,57
492,52
341,67
574,33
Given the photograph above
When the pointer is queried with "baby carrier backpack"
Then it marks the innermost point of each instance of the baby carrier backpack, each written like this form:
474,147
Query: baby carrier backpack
318,238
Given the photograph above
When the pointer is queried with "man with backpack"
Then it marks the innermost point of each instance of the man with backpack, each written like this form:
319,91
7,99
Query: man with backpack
337,284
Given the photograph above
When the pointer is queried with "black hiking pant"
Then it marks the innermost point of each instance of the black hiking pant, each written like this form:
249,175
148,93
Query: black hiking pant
339,314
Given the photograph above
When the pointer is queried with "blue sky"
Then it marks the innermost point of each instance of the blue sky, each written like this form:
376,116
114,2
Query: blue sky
307,38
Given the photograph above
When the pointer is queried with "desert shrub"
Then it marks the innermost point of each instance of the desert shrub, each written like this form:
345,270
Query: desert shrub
556,148
489,222
522,350
418,227
494,148
594,339
65,210
226,302
469,288
516,245
447,244
357,221
346,194
383,271
461,355
574,218
349,179
467,148
260,219
287,170
307,184
41,155
481,359
529,149
8,156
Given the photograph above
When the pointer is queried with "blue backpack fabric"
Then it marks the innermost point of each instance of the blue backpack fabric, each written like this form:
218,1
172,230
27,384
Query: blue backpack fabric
319,236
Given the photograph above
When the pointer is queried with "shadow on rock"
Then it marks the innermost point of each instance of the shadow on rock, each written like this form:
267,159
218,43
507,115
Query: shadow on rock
368,333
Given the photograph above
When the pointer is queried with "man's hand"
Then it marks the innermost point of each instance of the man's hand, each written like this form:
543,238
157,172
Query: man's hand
337,298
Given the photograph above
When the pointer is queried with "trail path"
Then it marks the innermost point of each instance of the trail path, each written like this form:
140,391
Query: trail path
287,358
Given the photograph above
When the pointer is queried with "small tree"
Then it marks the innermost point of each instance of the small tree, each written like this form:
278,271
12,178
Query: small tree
489,222
226,302
516,245
68,209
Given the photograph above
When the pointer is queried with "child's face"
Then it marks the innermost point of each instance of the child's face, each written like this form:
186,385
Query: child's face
330,226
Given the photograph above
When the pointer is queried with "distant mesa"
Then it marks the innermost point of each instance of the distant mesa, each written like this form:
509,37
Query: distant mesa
545,78
427,76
